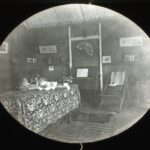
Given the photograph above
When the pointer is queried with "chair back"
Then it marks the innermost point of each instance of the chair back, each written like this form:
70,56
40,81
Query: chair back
117,78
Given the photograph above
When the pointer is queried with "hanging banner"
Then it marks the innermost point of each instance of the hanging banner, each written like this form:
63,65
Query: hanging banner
48,49
131,41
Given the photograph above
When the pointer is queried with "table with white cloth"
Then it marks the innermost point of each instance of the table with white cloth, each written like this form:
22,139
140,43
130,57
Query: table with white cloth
37,109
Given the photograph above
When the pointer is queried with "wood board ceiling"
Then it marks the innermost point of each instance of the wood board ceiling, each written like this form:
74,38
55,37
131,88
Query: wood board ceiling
68,14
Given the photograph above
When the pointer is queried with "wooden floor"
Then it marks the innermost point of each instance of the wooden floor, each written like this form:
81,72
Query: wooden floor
82,131
77,131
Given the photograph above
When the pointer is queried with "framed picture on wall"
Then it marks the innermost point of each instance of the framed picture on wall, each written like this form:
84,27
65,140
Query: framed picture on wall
51,68
82,73
4,48
106,59
32,60
130,58
86,47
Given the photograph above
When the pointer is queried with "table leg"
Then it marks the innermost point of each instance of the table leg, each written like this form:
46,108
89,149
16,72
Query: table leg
68,118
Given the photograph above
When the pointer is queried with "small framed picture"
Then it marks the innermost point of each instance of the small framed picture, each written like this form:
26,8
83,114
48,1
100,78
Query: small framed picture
4,48
51,68
106,59
32,60
130,58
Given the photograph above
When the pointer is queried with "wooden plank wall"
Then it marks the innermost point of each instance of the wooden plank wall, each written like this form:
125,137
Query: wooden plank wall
27,41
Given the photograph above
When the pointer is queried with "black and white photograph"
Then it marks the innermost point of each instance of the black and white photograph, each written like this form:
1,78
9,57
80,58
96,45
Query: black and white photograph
76,73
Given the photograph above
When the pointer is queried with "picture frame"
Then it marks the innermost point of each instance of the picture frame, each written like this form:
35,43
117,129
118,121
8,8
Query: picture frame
82,72
51,68
106,59
130,58
4,48
32,60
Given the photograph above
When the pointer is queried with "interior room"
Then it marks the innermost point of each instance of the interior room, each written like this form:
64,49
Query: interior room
93,68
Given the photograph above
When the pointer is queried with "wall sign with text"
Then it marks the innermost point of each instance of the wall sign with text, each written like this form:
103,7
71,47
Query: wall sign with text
131,41
48,49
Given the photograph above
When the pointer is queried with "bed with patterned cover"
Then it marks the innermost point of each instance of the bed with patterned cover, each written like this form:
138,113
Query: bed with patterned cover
38,109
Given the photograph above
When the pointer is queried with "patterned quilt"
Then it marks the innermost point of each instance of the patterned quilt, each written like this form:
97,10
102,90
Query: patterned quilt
37,109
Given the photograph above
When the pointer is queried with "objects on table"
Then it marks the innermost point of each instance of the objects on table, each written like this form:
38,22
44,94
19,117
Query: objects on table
42,84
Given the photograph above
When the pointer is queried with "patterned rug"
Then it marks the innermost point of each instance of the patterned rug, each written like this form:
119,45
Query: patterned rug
92,117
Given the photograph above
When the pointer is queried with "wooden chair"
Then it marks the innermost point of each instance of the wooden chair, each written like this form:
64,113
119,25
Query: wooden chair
113,96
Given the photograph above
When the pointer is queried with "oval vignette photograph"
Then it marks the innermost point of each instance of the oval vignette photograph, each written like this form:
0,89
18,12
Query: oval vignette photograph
76,73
